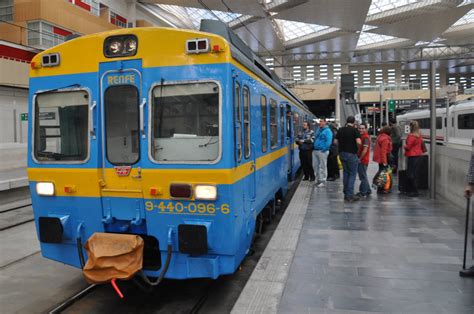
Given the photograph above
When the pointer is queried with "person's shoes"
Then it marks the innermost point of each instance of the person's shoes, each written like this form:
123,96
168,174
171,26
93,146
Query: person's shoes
468,272
413,194
312,179
331,179
320,185
362,195
305,179
351,199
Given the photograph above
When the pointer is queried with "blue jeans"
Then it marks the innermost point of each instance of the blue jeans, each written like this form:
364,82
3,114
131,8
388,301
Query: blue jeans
350,164
364,187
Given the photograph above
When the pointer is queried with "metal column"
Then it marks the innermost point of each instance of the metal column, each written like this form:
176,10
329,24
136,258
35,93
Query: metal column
432,131
381,105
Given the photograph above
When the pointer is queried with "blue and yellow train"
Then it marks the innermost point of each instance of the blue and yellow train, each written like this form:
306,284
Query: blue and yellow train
181,137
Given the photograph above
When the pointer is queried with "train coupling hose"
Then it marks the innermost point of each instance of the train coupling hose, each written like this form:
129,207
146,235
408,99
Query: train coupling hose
167,262
80,226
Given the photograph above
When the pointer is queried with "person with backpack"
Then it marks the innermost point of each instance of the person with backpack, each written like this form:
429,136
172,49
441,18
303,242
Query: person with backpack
322,144
414,149
382,150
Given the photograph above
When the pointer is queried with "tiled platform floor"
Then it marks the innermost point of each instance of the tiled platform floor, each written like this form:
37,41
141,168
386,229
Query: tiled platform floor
388,253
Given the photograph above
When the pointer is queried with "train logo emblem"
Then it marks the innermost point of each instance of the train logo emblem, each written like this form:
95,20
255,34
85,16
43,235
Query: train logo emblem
122,171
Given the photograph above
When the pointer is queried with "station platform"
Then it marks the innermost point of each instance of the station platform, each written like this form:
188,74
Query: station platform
384,254
13,178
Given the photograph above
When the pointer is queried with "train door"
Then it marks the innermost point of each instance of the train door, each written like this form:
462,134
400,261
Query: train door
289,141
122,129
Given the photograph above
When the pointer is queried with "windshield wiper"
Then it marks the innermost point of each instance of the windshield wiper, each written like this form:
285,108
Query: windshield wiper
58,88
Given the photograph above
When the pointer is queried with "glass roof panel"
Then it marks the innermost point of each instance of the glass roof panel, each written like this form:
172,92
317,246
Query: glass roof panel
366,38
466,19
379,6
196,15
292,30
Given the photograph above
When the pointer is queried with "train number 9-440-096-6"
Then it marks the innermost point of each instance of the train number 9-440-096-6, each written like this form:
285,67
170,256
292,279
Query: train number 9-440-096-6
191,208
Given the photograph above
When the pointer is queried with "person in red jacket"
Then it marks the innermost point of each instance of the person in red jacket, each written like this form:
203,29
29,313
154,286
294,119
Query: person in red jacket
414,149
364,157
382,150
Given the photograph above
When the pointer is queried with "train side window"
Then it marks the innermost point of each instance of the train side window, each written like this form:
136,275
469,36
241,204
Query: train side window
60,127
282,125
238,122
296,124
246,122
466,121
273,123
439,123
263,107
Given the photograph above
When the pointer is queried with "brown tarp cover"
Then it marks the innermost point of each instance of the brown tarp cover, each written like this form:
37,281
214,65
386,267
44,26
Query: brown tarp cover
113,256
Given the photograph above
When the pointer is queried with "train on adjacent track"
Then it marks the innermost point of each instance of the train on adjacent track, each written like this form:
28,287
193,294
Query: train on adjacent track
180,137
454,125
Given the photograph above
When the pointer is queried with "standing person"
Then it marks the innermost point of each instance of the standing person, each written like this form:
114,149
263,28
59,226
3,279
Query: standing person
333,165
305,142
414,148
364,156
322,143
348,139
382,150
396,135
469,272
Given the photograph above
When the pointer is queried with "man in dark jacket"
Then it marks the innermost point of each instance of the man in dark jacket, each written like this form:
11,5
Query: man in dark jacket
469,272
396,135
305,142
349,141
322,143
333,165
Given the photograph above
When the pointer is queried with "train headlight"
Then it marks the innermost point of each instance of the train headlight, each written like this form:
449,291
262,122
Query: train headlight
205,192
45,188
120,46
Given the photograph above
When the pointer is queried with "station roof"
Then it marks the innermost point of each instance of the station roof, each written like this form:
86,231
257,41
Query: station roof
341,30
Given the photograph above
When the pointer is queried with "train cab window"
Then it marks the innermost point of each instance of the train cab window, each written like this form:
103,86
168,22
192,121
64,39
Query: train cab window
61,124
263,106
238,122
185,122
273,123
466,121
122,124
246,122
282,125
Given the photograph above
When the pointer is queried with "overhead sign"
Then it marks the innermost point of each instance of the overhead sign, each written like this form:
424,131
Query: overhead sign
23,116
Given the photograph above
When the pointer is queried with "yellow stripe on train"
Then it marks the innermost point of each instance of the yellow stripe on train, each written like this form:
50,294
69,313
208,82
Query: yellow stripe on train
86,182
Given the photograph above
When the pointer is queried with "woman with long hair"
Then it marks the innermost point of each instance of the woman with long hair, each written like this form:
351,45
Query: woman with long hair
414,149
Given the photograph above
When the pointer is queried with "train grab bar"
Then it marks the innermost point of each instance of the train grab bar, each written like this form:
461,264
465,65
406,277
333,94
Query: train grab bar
142,123
91,120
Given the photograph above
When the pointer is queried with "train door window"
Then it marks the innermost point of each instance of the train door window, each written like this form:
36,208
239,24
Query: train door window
246,122
296,124
60,128
282,125
466,121
122,124
238,122
185,122
439,123
273,123
263,107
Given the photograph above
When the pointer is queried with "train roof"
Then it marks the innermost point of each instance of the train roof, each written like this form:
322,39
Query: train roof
465,104
242,53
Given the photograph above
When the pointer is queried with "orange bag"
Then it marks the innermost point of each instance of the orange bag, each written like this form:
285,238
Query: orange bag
113,256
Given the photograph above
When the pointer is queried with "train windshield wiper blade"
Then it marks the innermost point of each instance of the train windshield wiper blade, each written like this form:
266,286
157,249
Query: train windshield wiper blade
58,88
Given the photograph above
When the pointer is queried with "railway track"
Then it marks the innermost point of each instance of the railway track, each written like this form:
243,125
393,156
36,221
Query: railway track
15,216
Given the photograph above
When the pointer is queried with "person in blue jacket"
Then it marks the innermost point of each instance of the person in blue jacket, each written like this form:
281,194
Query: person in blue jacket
322,144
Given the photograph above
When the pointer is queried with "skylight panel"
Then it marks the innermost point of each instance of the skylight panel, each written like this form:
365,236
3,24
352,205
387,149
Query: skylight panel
197,15
292,30
379,6
466,19
366,38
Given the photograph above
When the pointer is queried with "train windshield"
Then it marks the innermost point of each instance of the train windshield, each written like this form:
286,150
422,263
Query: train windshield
61,121
185,122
